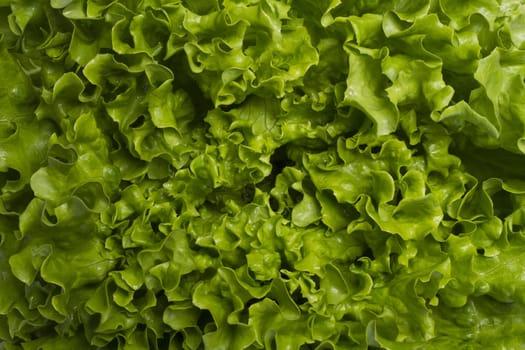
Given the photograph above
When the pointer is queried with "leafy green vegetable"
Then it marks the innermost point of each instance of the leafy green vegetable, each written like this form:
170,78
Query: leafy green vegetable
262,174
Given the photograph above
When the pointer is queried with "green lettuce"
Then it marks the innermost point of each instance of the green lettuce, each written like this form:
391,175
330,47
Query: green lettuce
262,174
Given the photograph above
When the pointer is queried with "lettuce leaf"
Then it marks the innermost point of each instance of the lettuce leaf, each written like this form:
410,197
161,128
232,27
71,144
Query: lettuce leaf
260,174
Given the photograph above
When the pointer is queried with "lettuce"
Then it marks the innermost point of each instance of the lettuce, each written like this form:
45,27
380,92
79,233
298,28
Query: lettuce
260,174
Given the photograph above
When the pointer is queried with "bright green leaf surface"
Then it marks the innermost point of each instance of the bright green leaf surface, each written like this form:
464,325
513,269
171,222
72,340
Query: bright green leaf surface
262,174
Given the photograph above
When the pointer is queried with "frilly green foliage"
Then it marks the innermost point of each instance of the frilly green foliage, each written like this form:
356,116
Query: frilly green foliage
262,174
